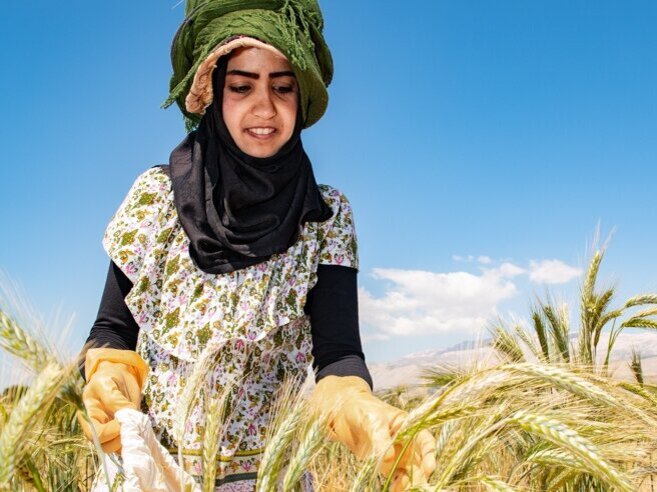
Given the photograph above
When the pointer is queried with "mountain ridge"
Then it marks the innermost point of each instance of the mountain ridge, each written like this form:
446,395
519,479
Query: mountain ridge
407,370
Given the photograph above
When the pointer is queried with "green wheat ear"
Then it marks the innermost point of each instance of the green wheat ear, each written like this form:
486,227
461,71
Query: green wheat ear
34,401
214,429
494,484
311,442
505,343
563,436
16,341
289,414
635,366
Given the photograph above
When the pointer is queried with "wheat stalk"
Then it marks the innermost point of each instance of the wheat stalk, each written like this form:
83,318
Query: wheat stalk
494,484
479,431
588,307
288,411
193,387
591,276
557,318
553,457
564,379
636,322
639,390
457,393
562,479
36,398
274,453
446,432
367,471
19,343
561,435
641,300
645,313
214,417
535,348
541,332
505,343
311,443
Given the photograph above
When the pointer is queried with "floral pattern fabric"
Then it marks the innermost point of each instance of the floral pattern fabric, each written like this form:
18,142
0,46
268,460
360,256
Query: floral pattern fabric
251,321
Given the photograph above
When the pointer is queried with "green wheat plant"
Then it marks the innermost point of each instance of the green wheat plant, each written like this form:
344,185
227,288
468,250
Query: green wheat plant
545,414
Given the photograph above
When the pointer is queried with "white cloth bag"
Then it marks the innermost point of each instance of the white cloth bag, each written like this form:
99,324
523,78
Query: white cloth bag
147,465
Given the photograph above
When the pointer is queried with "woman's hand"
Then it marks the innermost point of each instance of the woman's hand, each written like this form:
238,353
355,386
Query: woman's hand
365,424
114,381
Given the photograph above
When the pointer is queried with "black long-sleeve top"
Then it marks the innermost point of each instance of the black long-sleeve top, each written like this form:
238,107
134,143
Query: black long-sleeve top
332,305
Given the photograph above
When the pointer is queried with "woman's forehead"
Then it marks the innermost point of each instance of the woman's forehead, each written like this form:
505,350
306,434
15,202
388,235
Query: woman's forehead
254,59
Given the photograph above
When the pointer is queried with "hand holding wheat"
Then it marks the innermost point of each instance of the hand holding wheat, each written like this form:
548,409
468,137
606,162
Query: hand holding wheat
367,425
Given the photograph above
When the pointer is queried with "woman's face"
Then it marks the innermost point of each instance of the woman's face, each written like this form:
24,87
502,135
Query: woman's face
259,101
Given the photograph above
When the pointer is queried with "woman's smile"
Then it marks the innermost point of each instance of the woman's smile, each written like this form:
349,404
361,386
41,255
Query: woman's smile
261,133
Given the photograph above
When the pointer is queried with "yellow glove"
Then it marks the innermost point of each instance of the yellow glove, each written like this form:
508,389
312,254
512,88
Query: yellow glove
366,424
115,379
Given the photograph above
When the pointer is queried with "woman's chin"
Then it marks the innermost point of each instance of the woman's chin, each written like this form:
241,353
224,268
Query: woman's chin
261,149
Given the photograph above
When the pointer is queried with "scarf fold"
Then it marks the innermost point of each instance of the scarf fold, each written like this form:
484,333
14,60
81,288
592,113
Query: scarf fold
238,210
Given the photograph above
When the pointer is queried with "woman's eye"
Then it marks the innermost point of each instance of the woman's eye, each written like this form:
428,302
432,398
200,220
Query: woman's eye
284,89
240,89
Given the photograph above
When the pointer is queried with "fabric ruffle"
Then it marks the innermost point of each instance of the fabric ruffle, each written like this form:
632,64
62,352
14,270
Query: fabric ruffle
183,308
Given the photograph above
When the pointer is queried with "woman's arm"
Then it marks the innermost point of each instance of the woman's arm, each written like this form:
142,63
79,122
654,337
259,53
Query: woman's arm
115,326
333,308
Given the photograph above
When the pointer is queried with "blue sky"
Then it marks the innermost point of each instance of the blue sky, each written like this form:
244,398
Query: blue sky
480,143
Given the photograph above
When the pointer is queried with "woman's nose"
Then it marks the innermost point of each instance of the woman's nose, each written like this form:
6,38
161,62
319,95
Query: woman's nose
263,106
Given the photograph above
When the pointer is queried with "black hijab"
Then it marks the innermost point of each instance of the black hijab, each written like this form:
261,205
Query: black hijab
238,210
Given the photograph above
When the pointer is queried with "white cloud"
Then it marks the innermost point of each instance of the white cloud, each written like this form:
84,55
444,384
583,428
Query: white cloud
507,269
419,302
422,302
552,272
374,336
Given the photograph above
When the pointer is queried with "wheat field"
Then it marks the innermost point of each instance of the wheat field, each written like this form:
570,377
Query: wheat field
547,415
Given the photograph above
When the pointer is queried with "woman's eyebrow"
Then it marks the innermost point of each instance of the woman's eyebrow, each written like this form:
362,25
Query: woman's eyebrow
286,73
251,75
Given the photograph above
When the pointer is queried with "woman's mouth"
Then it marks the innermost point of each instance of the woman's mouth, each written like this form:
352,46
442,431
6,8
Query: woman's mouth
261,133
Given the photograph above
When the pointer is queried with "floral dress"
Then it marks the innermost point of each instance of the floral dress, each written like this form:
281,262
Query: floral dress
248,326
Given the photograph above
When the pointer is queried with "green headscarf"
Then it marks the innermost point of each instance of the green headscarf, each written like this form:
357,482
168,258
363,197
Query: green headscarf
294,27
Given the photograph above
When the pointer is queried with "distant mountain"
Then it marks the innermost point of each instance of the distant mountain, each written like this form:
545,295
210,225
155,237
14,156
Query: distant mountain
408,369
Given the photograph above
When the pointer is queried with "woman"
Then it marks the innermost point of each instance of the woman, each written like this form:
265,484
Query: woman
234,256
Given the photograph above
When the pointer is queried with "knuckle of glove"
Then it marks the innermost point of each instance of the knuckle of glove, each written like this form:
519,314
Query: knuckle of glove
427,452
111,393
397,420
